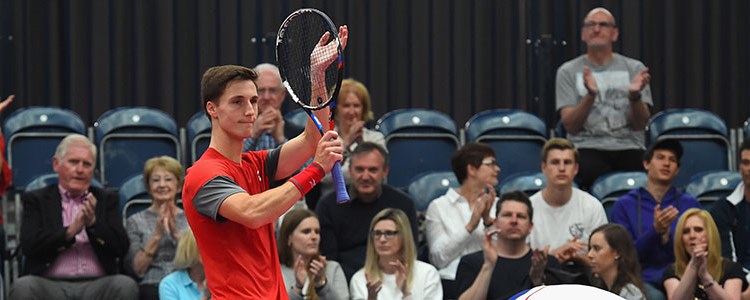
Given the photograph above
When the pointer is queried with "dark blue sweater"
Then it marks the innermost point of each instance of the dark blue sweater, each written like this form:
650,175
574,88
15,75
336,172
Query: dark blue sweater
653,255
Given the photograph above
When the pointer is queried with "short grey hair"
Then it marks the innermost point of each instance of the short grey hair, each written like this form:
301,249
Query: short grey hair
74,140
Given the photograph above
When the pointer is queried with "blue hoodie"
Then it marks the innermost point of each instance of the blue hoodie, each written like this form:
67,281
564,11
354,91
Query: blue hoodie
653,255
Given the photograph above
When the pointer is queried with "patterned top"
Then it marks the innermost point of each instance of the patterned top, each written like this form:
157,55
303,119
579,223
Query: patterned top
140,228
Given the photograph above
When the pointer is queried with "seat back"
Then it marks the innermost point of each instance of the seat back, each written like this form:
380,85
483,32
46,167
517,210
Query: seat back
133,190
129,136
418,140
428,186
527,182
610,187
709,187
703,135
294,122
198,135
32,135
516,136
52,178
746,129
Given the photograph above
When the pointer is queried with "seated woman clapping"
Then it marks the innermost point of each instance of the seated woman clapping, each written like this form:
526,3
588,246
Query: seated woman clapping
307,274
392,270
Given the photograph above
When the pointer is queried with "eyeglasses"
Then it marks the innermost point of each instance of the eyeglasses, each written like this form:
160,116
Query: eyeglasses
272,90
607,25
489,162
388,234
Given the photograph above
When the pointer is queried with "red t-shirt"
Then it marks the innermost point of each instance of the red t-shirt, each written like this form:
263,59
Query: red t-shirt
240,262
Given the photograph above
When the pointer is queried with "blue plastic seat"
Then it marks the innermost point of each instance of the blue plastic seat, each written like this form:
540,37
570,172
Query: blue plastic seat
52,178
746,128
32,135
527,182
709,187
198,135
128,136
610,187
703,135
134,196
430,185
516,136
418,140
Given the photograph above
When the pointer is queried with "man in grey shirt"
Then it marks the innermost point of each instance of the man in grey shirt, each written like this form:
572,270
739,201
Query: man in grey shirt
603,99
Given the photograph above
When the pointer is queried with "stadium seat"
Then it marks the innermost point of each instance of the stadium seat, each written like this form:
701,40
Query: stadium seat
610,187
746,128
128,136
134,196
709,187
516,136
429,185
527,182
198,135
418,140
32,135
294,122
703,135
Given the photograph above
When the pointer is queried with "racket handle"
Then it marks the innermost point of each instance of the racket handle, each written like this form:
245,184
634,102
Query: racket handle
342,196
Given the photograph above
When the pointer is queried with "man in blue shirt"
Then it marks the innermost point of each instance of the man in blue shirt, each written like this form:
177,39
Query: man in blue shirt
649,213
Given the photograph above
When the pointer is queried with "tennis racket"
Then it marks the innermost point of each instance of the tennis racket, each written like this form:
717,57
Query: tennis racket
295,52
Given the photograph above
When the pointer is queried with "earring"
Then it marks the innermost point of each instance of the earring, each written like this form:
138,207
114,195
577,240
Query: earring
617,257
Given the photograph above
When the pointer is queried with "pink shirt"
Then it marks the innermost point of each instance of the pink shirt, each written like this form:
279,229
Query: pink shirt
79,260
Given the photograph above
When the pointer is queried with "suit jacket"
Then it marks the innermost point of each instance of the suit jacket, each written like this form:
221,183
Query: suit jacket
43,233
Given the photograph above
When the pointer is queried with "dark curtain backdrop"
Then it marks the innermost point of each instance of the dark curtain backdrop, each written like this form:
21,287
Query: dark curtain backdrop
459,57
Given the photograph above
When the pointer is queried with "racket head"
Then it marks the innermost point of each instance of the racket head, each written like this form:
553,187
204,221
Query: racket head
297,37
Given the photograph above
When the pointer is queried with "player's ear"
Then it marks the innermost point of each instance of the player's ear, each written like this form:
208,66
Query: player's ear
211,109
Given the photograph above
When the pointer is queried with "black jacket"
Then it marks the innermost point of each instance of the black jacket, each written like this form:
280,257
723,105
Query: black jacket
43,234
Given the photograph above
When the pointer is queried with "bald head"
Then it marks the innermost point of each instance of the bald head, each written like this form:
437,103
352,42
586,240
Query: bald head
600,10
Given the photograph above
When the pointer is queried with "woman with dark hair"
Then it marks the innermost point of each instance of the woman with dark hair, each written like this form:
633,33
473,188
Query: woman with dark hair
307,274
614,262
699,271
392,270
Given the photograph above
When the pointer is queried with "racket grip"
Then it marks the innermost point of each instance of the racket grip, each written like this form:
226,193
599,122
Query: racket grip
342,196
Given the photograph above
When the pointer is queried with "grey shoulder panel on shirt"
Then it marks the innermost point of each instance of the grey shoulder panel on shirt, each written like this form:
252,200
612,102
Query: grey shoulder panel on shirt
212,194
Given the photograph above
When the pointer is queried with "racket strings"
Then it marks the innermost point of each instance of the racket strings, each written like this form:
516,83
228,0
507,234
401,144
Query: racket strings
300,37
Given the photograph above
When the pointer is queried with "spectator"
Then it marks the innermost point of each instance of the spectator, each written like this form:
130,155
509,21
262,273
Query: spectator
506,265
732,214
188,282
455,222
565,215
614,262
72,235
603,99
155,232
345,227
648,213
699,264
268,130
391,269
353,110
307,274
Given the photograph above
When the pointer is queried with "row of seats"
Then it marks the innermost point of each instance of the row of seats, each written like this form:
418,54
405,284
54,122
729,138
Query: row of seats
707,187
126,137
518,137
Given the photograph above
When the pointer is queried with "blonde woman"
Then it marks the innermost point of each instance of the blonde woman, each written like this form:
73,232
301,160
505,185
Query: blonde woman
154,232
189,281
699,271
391,269
307,274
